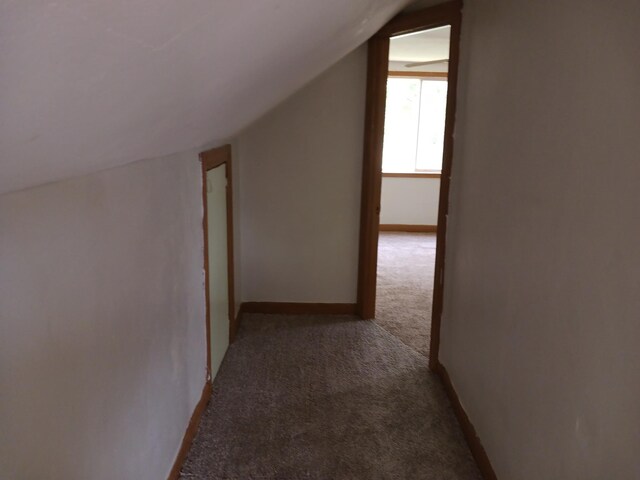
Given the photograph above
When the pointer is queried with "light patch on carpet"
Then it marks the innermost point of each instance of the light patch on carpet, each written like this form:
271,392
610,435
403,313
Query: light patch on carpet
404,294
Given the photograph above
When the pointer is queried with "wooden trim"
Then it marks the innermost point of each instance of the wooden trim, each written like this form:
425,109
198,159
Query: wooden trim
395,227
230,255
404,73
216,156
377,69
212,159
291,308
469,431
190,433
377,72
411,175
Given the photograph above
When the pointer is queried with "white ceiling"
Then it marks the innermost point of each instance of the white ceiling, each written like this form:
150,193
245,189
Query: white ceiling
91,84
421,47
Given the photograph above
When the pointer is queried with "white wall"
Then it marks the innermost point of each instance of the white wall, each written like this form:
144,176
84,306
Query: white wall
300,176
540,332
102,333
409,201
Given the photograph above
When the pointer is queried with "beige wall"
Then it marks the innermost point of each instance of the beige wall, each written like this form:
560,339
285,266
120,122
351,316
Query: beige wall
541,327
102,332
409,201
300,174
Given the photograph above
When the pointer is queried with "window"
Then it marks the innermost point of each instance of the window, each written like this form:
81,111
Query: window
414,125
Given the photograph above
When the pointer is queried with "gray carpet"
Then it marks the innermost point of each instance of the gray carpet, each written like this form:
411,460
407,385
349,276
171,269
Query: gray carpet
404,293
317,397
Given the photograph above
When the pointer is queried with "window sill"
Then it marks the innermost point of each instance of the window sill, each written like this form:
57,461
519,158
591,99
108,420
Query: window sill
412,175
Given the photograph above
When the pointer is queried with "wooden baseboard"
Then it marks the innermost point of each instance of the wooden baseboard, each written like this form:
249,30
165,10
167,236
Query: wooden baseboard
470,435
289,308
393,227
191,431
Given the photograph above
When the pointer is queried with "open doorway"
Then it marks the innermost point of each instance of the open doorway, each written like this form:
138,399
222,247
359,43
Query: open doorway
411,93
415,113
218,254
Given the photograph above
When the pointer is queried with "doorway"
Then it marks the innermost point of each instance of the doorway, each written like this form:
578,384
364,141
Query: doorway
218,254
404,66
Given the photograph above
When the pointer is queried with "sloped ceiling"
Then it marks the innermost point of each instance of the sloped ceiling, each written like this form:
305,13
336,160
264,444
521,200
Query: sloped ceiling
91,84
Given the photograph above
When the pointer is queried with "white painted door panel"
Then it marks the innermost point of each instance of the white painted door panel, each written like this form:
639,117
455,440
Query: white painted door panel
218,279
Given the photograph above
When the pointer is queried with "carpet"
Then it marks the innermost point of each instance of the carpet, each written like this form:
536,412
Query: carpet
326,397
404,293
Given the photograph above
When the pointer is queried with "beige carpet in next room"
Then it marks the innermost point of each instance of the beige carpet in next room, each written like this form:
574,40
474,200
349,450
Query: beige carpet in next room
405,286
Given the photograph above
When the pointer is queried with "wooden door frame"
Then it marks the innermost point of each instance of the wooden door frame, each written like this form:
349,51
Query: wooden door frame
209,160
377,71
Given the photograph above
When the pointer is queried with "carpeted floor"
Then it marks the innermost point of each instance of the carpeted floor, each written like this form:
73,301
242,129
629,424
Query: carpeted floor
317,397
404,294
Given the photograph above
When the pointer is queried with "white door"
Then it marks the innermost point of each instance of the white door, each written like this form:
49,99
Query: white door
218,279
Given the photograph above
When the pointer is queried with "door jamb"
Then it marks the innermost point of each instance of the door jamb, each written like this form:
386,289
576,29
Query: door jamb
448,13
209,160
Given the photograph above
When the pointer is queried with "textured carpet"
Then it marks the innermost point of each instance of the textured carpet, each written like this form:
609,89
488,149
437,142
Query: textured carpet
404,294
316,397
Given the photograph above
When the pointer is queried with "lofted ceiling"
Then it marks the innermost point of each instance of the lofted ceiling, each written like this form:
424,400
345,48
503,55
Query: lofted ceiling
91,84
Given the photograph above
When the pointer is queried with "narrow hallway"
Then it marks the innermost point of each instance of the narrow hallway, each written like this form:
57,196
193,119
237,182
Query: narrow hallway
326,397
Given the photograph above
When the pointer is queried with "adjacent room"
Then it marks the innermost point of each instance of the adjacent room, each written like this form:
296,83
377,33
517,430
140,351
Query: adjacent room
411,167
